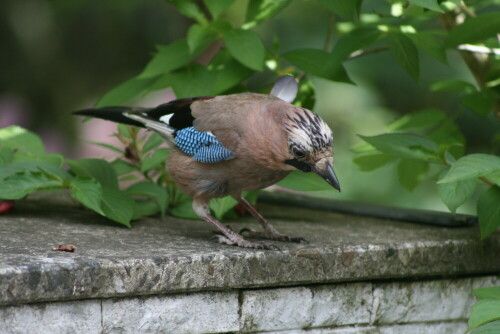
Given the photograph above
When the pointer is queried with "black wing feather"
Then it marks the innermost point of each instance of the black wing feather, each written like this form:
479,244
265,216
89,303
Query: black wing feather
114,114
181,110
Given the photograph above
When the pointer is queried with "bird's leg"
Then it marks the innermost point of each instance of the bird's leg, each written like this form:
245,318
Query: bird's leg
271,232
229,236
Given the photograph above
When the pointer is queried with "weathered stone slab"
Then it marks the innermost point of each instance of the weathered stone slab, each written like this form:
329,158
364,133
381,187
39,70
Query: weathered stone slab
53,318
344,330
175,255
423,301
416,328
212,312
436,328
321,306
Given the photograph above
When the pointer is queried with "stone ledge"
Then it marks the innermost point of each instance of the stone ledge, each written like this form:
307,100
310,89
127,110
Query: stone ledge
432,306
174,255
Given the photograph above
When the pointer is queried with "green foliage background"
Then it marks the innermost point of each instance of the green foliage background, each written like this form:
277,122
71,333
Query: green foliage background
410,88
356,61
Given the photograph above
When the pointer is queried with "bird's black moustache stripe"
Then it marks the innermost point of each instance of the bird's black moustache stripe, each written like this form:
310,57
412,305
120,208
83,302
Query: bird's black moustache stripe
300,165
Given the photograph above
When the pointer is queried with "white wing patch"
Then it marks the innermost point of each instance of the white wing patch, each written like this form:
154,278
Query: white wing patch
166,118
163,129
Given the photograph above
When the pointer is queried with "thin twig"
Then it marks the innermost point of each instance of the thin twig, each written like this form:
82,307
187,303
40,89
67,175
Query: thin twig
485,180
478,49
365,52
467,10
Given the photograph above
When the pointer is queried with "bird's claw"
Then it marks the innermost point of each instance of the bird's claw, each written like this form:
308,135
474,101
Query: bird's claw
272,236
245,243
287,238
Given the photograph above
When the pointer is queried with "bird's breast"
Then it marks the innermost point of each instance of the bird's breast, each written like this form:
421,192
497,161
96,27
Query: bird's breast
220,179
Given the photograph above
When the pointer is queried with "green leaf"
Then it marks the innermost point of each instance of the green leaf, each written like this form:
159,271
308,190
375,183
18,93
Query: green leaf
98,169
262,10
474,29
449,137
88,192
428,43
194,80
53,159
484,311
429,4
217,7
488,211
144,208
156,192
418,120
106,145
411,173
480,102
34,167
27,144
306,96
492,327
199,37
356,39
117,206
488,293
246,47
300,181
125,130
452,85
150,162
184,209
124,92
6,155
221,206
190,9
318,63
454,194
226,72
122,167
405,52
495,178
345,8
18,186
168,58
153,141
371,161
403,145
472,166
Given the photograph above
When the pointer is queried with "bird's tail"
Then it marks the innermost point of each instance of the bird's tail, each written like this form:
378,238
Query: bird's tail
114,114
131,116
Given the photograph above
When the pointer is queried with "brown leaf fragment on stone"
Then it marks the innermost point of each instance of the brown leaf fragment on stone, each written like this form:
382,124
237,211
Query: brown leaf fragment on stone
64,248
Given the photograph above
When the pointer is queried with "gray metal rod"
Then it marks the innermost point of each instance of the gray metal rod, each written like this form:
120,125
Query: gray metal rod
426,217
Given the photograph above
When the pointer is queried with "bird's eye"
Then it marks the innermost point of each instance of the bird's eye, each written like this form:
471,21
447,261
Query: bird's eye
298,153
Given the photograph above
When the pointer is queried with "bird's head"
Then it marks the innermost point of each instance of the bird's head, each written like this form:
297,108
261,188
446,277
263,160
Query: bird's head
310,145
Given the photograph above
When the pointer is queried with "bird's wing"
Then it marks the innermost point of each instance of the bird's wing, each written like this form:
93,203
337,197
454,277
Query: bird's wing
285,88
168,118
247,124
174,120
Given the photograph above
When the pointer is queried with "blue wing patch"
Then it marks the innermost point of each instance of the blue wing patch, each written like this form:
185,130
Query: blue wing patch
202,146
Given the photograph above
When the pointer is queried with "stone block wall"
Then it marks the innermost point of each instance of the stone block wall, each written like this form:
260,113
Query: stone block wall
419,307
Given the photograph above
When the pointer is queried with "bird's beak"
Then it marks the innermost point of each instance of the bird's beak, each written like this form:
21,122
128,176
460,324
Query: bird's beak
324,169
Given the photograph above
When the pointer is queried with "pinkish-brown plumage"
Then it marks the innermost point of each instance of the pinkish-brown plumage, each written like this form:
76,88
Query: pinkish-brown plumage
267,138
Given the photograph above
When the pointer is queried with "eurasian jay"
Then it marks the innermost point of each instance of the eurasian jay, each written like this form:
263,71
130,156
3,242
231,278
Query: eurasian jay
225,145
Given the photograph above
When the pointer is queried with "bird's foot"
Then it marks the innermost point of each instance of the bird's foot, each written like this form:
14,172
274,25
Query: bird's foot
244,243
276,236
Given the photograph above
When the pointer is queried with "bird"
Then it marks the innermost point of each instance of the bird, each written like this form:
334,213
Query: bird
225,145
